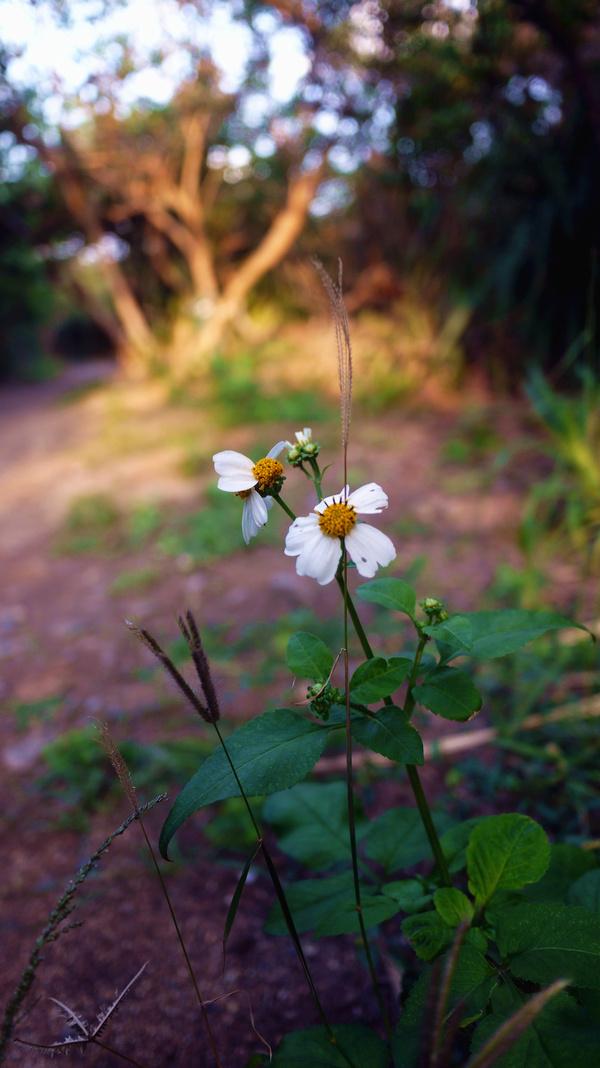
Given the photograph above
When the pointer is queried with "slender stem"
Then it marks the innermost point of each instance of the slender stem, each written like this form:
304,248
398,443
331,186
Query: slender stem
316,477
182,944
282,503
281,897
116,1052
351,813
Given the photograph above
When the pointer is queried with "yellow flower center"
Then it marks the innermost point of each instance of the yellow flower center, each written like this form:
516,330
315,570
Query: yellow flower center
267,473
337,520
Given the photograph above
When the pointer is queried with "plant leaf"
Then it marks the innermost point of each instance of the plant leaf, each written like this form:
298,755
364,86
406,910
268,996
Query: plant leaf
237,895
392,593
269,753
486,635
453,906
397,838
449,692
313,1047
308,657
545,942
378,678
311,821
390,733
427,934
586,891
505,853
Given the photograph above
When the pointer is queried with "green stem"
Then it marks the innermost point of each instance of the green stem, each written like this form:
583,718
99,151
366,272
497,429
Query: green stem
281,897
283,505
351,814
316,477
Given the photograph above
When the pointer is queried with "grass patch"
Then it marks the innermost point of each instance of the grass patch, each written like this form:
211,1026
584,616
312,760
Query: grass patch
135,580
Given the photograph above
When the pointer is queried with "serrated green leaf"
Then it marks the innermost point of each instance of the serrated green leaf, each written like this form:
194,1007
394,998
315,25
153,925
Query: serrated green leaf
449,692
313,1047
378,678
586,891
270,753
397,838
547,942
311,820
390,733
427,934
308,657
487,635
505,853
453,906
391,593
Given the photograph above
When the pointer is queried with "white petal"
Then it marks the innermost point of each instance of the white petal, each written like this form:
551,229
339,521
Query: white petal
235,483
319,558
274,452
300,531
232,463
369,548
254,515
335,499
368,499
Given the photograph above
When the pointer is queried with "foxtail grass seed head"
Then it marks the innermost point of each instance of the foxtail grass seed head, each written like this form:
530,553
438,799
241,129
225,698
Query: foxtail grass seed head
255,482
146,638
120,767
189,629
317,539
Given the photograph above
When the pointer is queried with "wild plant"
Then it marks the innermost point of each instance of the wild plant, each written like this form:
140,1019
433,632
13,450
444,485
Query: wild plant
503,925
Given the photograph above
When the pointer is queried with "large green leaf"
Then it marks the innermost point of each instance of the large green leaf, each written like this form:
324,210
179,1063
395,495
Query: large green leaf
561,1036
505,853
312,1047
454,843
392,593
378,678
308,657
397,839
546,942
311,821
486,635
376,908
390,733
408,894
449,692
269,753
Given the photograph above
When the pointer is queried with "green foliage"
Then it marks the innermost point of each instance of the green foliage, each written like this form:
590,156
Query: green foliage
390,593
452,906
140,578
505,853
547,942
239,394
389,733
308,657
397,839
79,775
313,1046
378,678
486,635
269,753
450,693
90,525
427,934
42,711
311,820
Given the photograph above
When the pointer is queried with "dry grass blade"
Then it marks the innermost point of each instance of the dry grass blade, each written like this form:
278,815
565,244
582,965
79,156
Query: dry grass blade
344,347
511,1030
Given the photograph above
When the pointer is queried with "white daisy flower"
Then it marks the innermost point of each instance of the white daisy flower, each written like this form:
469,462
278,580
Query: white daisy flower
252,482
316,538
